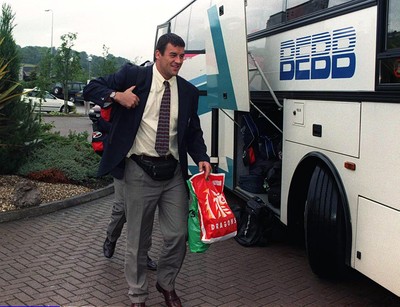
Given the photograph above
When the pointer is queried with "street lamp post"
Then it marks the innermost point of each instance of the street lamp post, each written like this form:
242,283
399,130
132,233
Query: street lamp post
52,15
90,61
87,103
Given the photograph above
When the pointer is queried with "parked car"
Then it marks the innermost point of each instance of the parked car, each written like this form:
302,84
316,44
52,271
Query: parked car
47,103
73,89
79,97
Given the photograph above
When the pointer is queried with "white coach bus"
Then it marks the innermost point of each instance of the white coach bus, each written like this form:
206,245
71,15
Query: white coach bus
300,104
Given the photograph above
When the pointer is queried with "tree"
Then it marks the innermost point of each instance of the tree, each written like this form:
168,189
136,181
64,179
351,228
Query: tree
9,60
45,77
107,65
18,127
35,55
66,64
7,92
8,47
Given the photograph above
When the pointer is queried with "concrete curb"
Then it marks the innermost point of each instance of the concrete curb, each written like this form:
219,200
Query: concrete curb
56,205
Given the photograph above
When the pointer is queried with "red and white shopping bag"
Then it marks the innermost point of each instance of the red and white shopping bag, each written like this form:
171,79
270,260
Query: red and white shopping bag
217,221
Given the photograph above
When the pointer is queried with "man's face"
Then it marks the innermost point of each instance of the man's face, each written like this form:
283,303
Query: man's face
171,61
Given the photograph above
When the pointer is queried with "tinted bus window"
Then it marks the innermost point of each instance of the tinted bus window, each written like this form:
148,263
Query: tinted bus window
189,24
390,57
263,14
180,24
299,8
393,35
197,30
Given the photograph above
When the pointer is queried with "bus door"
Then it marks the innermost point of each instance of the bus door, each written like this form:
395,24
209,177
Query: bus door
227,78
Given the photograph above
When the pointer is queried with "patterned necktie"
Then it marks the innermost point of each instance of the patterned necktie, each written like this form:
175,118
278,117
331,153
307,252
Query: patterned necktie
162,138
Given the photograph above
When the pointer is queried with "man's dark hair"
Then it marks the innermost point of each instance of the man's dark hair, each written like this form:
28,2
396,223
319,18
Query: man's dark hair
173,39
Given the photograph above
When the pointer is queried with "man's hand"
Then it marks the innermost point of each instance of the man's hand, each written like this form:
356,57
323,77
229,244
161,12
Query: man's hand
206,167
127,99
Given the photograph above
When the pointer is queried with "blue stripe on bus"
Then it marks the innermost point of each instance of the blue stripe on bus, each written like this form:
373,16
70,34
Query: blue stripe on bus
199,81
222,81
203,106
201,84
228,173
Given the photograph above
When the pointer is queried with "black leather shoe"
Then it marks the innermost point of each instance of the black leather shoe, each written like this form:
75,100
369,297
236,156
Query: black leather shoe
171,299
109,248
151,264
138,305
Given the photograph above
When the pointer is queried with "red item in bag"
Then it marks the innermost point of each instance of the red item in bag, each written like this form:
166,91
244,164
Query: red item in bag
217,221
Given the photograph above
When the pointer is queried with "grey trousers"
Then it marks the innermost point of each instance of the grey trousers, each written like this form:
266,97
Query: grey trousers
118,218
143,196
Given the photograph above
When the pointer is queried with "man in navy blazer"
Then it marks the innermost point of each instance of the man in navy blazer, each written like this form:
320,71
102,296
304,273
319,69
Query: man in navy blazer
135,95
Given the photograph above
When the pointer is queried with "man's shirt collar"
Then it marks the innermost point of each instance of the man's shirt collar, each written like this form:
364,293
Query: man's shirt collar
159,80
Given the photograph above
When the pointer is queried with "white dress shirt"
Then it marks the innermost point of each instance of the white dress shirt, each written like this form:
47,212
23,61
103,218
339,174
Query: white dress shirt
144,143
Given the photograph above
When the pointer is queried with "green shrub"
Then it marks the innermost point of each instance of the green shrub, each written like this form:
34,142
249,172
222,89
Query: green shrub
19,133
72,155
18,126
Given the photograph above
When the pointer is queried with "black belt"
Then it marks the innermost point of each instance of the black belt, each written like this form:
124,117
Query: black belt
152,159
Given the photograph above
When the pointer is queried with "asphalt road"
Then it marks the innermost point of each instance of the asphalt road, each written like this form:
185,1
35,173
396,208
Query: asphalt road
69,124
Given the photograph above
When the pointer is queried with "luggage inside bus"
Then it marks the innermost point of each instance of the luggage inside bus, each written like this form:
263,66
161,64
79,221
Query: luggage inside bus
259,154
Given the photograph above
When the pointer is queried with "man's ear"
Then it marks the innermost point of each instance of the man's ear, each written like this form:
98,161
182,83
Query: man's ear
157,54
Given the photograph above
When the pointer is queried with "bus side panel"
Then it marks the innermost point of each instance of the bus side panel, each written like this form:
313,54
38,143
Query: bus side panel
328,125
371,188
329,56
379,166
293,153
378,244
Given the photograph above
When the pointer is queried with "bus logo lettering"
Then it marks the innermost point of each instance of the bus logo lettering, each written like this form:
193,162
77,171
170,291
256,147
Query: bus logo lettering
319,56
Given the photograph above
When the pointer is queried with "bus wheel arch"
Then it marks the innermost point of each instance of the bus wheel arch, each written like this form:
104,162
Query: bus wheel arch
325,226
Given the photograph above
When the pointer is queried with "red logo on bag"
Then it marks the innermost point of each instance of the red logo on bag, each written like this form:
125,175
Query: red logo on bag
217,206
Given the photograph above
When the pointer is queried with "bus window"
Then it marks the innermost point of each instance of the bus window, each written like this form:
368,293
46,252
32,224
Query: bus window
181,25
393,25
390,56
257,49
299,8
189,24
196,35
336,2
161,29
260,14
173,25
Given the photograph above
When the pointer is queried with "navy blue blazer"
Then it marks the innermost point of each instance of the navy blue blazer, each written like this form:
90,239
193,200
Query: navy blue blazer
125,122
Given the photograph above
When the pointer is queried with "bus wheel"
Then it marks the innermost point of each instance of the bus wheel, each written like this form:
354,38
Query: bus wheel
324,224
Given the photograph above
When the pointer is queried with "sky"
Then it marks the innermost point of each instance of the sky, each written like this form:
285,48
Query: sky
126,27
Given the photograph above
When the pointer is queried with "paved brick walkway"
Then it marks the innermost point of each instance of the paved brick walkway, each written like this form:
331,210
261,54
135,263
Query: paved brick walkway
56,259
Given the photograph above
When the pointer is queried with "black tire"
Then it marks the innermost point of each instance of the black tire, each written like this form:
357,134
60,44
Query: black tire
324,222
62,109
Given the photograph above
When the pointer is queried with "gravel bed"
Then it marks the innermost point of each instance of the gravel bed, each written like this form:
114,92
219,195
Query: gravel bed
49,191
